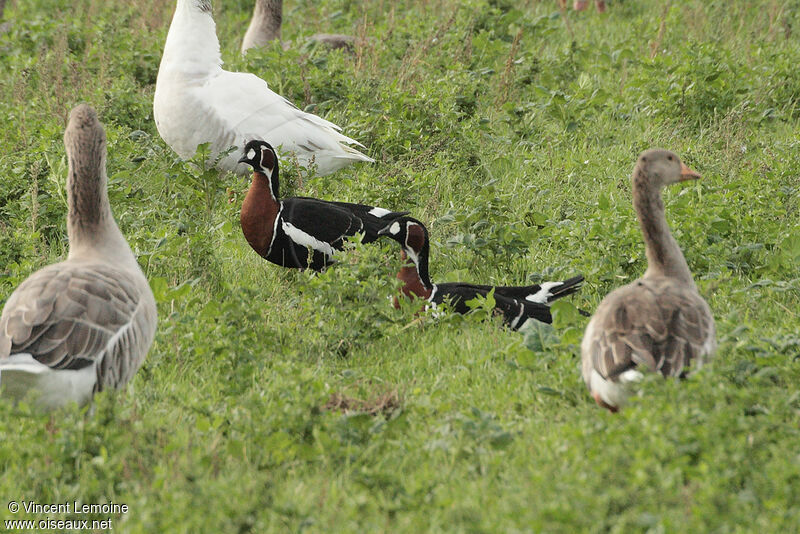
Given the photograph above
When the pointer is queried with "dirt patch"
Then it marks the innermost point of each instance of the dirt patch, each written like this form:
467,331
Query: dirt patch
382,404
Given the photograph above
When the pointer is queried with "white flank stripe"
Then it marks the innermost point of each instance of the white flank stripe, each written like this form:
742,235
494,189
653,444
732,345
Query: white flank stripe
516,321
306,240
543,294
275,227
379,212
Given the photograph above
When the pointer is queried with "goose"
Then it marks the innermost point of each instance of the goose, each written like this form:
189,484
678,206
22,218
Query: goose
581,5
265,26
284,231
659,322
196,102
85,324
517,304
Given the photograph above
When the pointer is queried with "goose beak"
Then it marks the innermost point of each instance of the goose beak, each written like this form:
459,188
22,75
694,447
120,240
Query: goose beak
688,174
243,159
384,230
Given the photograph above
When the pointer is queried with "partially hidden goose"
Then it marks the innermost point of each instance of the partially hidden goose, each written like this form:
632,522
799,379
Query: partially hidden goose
659,322
85,324
196,102
516,303
289,232
265,26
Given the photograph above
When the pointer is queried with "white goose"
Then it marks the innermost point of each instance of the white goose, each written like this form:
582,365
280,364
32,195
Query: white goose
659,322
84,324
196,101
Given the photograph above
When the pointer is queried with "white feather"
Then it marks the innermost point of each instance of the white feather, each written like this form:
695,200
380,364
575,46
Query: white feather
379,212
544,293
22,376
307,240
196,101
613,393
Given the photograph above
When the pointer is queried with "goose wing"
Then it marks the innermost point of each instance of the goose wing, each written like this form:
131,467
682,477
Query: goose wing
658,324
247,108
319,220
71,316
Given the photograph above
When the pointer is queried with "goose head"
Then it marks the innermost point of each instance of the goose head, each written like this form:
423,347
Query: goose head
412,236
262,157
657,168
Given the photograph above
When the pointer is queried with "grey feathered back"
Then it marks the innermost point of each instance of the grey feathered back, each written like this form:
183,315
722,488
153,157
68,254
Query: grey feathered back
652,322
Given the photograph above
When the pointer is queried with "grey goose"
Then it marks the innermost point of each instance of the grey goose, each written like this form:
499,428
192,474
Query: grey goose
659,322
85,324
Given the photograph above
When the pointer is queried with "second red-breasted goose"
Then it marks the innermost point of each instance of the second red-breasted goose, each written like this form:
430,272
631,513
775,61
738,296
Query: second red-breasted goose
516,303
299,232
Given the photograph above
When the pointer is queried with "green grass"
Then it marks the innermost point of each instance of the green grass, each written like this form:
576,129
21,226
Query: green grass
518,158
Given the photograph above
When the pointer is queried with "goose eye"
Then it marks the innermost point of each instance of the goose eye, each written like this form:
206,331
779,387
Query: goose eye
669,158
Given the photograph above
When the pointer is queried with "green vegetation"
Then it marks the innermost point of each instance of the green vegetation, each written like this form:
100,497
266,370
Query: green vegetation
279,401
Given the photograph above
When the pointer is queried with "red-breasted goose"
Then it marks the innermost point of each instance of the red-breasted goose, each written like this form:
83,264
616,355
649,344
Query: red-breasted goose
516,303
288,232
659,322
85,324
196,102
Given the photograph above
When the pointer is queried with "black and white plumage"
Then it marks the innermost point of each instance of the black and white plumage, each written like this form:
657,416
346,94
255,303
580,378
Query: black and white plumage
516,303
659,322
85,324
299,232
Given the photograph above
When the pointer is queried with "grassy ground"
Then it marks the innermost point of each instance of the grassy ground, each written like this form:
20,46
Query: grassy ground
281,401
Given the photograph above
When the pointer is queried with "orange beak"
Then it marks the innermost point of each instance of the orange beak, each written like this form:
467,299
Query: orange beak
688,174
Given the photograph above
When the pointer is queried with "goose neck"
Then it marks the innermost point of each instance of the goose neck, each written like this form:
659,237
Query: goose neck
192,46
267,18
664,256
414,276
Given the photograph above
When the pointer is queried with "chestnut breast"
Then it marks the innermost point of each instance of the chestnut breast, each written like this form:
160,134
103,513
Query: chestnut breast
259,211
411,280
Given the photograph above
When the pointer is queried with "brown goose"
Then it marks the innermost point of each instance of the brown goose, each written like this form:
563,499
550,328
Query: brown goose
85,324
659,321
265,26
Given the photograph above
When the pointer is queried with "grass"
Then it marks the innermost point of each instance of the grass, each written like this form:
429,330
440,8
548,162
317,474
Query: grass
284,401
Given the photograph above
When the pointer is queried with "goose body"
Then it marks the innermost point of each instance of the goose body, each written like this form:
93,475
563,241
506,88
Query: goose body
517,304
659,322
196,102
85,324
299,232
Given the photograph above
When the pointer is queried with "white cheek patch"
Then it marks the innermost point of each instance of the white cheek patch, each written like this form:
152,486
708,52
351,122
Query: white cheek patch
379,212
394,229
251,154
